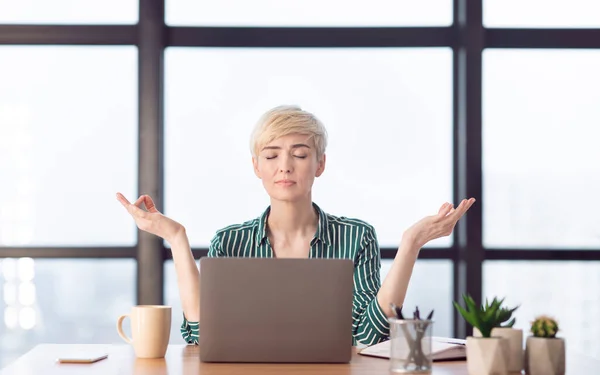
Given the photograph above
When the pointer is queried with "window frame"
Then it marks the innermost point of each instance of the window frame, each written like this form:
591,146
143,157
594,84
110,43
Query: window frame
466,36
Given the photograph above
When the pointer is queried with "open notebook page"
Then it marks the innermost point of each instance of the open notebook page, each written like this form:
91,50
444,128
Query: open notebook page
443,348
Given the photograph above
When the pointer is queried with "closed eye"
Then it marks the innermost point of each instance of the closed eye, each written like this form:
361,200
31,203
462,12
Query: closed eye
275,156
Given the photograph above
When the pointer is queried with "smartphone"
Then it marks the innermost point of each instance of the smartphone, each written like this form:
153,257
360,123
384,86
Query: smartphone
82,358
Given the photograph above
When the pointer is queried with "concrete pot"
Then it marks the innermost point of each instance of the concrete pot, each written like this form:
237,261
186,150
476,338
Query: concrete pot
515,352
545,356
486,355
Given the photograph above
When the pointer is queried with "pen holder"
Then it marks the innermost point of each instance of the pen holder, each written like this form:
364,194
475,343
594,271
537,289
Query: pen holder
410,346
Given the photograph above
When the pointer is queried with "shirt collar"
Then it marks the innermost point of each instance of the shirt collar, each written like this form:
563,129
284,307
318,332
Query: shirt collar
322,228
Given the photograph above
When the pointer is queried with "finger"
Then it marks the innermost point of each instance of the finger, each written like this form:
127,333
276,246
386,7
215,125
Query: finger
467,204
462,208
137,212
446,207
149,203
121,198
470,202
451,211
126,202
139,202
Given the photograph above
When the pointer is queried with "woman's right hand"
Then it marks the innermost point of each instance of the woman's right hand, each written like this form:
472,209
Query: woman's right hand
151,221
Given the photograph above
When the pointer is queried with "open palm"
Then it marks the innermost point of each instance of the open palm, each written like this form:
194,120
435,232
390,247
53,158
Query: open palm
150,220
441,225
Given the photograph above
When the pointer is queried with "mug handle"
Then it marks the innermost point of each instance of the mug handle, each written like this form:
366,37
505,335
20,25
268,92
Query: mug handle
120,328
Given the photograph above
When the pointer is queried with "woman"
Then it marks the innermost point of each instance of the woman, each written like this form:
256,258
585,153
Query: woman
288,153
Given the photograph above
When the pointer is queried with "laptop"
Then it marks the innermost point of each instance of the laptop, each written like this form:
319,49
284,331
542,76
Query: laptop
269,310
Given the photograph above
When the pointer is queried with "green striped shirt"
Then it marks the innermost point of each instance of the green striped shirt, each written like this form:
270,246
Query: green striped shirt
336,237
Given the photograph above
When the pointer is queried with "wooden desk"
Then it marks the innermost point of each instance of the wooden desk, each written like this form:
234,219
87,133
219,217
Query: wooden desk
182,359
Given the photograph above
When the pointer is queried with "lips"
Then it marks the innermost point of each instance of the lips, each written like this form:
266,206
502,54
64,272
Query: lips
285,182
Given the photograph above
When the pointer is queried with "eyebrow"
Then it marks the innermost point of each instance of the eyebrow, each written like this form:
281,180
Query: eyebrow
297,145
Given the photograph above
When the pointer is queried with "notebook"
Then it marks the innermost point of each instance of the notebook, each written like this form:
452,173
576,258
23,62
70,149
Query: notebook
443,349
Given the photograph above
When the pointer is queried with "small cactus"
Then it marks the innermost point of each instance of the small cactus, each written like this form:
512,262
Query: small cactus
544,326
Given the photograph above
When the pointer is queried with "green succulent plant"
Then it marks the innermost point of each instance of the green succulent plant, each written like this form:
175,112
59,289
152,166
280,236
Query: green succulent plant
505,315
487,316
544,326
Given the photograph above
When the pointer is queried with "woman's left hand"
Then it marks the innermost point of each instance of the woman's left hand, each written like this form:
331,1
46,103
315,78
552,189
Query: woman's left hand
441,225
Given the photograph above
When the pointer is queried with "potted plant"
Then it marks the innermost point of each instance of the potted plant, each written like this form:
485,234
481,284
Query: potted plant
486,355
514,359
544,352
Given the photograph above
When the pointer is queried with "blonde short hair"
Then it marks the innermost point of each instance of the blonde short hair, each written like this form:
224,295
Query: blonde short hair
288,119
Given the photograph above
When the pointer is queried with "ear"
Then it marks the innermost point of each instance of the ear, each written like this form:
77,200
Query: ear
255,167
321,166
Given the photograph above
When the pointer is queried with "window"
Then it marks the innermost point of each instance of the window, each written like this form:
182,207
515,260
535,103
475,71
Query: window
541,13
68,119
309,13
431,287
540,148
68,12
62,301
564,290
388,113
425,291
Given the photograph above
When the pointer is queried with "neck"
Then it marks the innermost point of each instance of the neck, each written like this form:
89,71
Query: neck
291,219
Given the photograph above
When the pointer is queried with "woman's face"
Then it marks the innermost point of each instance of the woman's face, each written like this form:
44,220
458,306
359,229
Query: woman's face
288,166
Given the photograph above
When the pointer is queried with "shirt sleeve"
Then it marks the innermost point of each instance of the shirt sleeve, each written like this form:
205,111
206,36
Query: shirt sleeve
190,331
369,323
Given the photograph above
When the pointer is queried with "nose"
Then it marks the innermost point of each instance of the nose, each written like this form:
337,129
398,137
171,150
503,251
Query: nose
286,165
